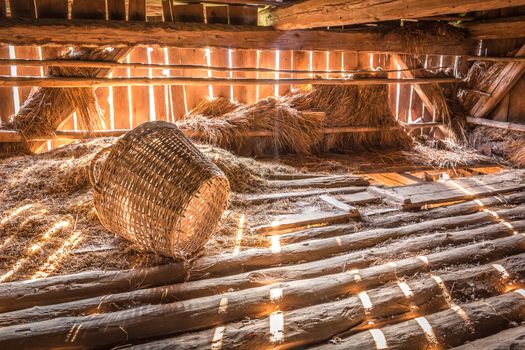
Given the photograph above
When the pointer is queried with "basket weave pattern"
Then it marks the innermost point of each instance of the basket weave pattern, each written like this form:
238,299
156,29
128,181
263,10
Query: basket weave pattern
157,189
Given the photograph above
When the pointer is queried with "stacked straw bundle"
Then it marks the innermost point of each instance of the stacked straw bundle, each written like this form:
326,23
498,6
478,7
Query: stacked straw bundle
295,124
46,108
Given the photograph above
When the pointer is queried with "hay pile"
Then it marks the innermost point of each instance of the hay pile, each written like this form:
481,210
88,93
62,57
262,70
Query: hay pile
48,224
503,145
295,126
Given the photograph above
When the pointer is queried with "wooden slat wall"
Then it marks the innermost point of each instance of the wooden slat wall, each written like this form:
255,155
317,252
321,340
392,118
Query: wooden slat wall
127,107
219,56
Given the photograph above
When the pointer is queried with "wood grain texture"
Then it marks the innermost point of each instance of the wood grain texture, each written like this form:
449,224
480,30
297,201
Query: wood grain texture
195,35
328,13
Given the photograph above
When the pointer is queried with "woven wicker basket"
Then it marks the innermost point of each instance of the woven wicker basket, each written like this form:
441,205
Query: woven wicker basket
157,189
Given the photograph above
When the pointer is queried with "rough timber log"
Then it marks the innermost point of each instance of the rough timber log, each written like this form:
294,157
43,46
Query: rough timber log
105,330
497,124
194,35
252,259
447,328
15,136
74,82
450,210
338,230
390,304
59,289
498,28
330,13
511,339
169,294
114,65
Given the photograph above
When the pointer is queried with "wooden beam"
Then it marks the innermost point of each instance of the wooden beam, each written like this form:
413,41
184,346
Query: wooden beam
499,28
497,124
329,13
138,65
15,136
500,87
195,35
74,82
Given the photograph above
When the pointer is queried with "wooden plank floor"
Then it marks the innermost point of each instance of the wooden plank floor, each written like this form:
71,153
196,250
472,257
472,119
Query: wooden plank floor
438,278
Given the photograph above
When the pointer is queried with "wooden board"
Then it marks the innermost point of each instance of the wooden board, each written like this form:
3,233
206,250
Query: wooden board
416,196
303,221
52,8
359,198
321,182
272,197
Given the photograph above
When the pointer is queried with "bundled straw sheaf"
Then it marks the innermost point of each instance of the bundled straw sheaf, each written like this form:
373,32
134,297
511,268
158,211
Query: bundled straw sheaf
293,124
46,108
479,78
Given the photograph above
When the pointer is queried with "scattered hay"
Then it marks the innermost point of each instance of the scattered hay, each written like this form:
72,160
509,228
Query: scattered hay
356,105
445,154
48,224
503,145
214,107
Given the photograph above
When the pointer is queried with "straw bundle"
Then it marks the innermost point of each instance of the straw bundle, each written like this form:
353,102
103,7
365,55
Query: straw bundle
480,77
293,131
294,127
46,108
360,105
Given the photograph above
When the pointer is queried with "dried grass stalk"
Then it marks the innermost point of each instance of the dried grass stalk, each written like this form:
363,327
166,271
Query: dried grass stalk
294,127
504,145
46,108
479,78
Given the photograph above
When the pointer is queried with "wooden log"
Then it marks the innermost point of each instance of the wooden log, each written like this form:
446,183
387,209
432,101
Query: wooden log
513,338
105,330
321,182
197,289
74,82
360,198
497,28
495,59
496,124
450,210
252,259
15,136
338,230
273,197
321,322
329,13
193,35
447,328
301,221
124,65
17,295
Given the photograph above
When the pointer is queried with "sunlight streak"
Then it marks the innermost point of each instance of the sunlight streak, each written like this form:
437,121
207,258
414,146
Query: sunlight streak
276,327
379,339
